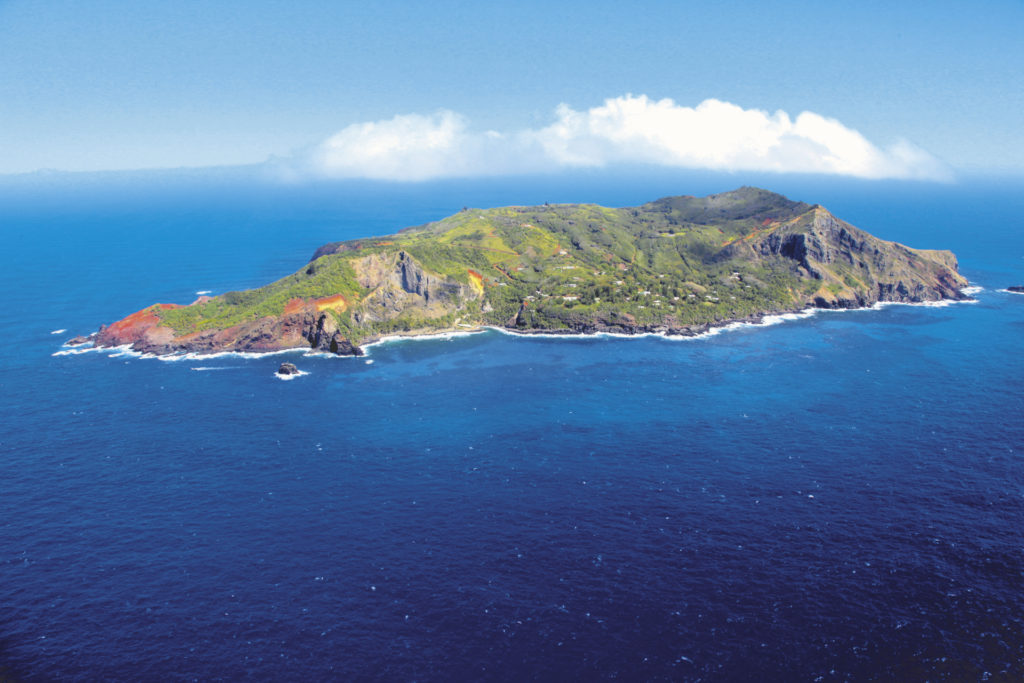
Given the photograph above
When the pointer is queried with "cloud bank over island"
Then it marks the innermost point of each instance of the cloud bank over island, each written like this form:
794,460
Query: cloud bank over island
714,135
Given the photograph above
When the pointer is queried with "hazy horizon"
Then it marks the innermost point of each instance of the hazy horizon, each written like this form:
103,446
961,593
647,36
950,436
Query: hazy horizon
399,92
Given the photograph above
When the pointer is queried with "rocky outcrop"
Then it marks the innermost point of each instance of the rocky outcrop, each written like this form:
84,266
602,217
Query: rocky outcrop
853,267
400,285
305,329
1016,289
287,369
80,340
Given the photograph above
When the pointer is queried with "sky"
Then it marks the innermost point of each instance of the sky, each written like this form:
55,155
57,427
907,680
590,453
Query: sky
411,91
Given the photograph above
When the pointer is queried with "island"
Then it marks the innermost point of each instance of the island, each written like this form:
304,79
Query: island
676,266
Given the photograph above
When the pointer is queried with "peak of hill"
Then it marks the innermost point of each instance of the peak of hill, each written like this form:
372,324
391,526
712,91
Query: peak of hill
676,265
746,202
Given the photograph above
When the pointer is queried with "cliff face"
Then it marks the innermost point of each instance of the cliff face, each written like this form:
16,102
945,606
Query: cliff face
397,286
400,286
855,268
677,265
306,328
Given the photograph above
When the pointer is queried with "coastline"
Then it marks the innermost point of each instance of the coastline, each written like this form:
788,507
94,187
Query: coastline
693,333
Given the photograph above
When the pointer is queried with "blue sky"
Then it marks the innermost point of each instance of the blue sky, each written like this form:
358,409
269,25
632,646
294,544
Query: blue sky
933,89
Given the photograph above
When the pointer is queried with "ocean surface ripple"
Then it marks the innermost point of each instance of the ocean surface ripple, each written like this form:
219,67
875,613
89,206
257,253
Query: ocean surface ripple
836,497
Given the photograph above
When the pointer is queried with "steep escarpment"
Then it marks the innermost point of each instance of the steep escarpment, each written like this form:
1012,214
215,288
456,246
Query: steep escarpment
399,286
676,265
852,267
379,291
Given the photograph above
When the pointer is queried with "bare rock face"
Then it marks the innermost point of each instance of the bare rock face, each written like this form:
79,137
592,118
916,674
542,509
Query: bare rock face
323,334
855,268
287,369
400,286
304,329
79,340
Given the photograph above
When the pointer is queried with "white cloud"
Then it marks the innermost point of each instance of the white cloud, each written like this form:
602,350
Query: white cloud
630,129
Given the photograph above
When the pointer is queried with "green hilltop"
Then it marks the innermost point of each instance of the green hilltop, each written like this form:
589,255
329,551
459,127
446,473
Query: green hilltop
677,265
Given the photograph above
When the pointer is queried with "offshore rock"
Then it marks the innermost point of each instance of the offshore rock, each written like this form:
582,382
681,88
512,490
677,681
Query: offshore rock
79,340
288,369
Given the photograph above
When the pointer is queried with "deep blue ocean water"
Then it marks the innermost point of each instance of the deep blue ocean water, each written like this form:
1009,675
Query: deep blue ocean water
839,497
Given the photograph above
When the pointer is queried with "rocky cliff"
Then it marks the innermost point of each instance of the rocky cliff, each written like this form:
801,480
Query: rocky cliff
676,265
854,268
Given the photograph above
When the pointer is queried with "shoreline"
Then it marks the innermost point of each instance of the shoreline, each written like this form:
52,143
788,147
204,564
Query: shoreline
706,331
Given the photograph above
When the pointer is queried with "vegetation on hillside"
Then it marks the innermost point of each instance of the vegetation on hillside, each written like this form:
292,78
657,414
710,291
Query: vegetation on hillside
672,263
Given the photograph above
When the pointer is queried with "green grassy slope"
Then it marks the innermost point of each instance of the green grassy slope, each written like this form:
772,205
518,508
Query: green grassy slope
672,263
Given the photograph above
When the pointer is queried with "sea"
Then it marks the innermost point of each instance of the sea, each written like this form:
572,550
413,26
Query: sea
837,496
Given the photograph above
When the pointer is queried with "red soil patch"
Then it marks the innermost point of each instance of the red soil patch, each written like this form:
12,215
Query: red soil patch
134,326
294,306
137,321
141,319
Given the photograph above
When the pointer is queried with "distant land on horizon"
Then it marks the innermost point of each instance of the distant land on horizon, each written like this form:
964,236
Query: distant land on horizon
678,265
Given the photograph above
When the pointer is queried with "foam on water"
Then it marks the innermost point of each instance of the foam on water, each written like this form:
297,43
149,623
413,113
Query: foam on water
447,336
311,353
766,321
300,373
173,358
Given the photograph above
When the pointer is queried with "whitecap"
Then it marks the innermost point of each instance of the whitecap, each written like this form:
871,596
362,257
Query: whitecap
313,353
773,319
172,358
75,351
112,351
195,355
765,321
450,335
946,302
60,331
204,292
941,303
